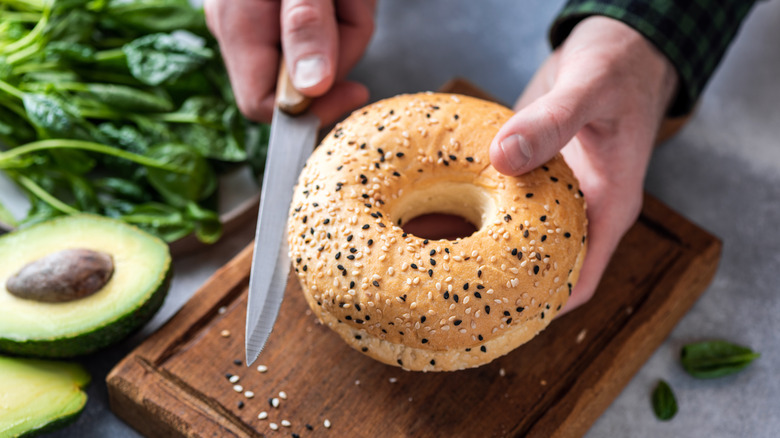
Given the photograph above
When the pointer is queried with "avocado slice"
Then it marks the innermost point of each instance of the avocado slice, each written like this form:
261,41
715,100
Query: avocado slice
39,395
135,291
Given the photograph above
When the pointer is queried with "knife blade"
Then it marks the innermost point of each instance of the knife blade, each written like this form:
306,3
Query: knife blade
292,140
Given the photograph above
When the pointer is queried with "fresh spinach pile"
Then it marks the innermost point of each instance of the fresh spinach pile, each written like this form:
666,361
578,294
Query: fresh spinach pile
120,108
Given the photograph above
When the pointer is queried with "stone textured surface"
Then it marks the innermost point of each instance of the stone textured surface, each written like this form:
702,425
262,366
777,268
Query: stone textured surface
721,171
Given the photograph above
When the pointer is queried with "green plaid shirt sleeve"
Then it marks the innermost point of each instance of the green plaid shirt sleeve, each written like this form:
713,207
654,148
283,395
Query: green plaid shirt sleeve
693,34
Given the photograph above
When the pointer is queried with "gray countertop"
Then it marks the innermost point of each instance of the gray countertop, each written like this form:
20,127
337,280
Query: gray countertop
722,171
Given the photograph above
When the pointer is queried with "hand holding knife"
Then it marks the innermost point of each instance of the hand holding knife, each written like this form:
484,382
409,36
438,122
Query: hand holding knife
293,136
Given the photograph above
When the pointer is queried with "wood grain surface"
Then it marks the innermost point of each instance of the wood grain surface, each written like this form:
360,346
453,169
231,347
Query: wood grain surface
177,382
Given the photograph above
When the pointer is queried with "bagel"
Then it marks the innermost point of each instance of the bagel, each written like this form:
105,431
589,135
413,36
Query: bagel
421,304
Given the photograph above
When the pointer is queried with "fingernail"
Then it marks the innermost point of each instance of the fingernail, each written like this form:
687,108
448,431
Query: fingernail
517,151
309,71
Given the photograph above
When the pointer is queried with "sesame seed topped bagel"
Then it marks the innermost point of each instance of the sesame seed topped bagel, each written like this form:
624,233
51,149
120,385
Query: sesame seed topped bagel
423,304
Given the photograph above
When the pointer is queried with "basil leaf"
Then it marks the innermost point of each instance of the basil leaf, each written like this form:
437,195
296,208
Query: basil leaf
160,57
664,402
711,359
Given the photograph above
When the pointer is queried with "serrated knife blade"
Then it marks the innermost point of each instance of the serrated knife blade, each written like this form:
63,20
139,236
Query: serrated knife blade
292,141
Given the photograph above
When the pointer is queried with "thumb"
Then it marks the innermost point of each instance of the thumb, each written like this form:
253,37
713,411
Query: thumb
539,131
309,44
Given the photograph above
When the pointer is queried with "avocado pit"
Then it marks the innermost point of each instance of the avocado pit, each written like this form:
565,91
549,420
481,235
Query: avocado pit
65,275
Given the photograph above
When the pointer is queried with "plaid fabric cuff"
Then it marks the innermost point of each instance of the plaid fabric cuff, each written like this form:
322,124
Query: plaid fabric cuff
693,34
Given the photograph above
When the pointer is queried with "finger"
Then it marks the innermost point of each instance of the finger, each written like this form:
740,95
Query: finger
248,36
343,97
309,43
540,130
355,27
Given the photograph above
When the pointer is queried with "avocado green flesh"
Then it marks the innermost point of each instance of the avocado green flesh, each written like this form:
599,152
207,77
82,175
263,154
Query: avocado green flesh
135,291
38,395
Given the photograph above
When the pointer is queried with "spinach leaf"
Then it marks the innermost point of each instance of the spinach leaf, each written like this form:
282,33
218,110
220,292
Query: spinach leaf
158,58
154,15
711,359
128,98
208,228
54,116
162,220
664,402
197,181
69,51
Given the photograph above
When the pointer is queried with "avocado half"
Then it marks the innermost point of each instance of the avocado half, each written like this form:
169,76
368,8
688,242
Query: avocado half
135,291
39,395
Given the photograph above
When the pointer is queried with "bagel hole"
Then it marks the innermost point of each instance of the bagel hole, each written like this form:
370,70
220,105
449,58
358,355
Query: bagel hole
443,210
435,226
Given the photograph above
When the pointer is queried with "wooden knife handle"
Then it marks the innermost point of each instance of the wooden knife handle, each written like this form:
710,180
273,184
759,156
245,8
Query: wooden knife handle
288,99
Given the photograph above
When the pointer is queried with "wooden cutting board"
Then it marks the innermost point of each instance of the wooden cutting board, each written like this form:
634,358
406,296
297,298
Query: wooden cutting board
176,382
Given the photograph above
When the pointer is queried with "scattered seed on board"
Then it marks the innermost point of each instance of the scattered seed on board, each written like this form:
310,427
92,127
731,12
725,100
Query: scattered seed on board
238,388
222,310
262,368
326,423
249,394
502,372
274,426
393,380
275,402
286,423
262,415
225,333
282,395
234,379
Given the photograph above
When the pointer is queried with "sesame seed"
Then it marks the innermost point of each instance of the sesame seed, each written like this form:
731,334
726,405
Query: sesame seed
233,379
240,405
262,368
249,394
262,415
326,423
282,395
225,333
286,423
273,426
238,388
274,402
393,380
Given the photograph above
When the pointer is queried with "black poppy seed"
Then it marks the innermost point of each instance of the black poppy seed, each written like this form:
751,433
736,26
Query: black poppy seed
374,215
427,115
542,315
414,266
379,128
465,286
579,192
447,250
316,204
479,275
309,427
403,298
392,112
487,310
358,337
422,318
470,159
404,234
368,318
305,219
433,362
375,283
425,242
348,318
477,295
433,252
396,174
557,202
305,268
453,157
509,321
295,435
445,162
351,257
424,341
381,160
433,262
543,218
479,286
506,313
430,272
446,295
349,238
326,221
370,242
536,269
366,226
337,256
228,376
364,196
327,235
546,169
359,321
519,256
364,349
340,267
401,333
240,405
457,322
351,284
339,168
567,234
544,237
514,251
553,179
529,195
455,297
483,349
298,260
399,154
525,233
519,309
400,362
380,150
320,248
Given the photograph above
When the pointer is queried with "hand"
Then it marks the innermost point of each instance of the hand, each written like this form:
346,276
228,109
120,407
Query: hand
321,40
599,99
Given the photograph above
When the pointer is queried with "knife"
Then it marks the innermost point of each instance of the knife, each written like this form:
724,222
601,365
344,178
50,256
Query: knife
293,135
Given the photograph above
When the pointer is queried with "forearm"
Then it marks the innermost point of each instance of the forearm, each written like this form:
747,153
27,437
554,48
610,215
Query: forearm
694,38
